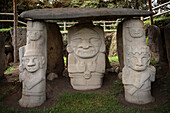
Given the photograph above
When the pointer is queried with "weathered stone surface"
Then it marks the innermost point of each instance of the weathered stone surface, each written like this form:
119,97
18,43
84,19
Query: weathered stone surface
55,62
80,13
120,44
33,65
86,59
137,74
21,38
167,42
154,41
2,52
52,76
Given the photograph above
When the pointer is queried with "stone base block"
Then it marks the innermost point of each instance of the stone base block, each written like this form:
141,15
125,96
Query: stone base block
32,100
139,97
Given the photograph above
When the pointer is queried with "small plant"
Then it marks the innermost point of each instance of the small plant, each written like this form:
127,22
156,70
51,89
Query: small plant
8,71
64,60
115,59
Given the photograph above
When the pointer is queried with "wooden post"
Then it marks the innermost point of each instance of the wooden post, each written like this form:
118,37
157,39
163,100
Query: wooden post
65,26
104,24
15,29
150,8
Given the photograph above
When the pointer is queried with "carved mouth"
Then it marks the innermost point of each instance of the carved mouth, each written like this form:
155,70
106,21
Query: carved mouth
32,69
85,53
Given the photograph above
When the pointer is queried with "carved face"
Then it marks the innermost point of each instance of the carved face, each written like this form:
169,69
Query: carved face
85,43
138,62
136,32
34,35
33,63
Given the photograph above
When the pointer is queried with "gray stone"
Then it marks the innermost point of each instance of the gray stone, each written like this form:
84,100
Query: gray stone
55,62
2,52
52,76
21,38
167,42
33,65
82,13
154,39
120,44
137,74
120,75
86,59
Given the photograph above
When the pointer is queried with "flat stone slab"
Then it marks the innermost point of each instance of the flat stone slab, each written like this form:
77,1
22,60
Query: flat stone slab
83,13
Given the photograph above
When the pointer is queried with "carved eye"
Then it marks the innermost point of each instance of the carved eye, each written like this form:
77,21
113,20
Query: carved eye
94,40
133,60
145,59
77,40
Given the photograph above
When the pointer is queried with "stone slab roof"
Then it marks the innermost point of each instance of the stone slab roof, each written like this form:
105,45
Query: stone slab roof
83,13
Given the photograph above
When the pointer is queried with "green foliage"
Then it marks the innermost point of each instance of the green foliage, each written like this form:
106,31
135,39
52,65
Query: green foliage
8,71
147,40
64,60
115,59
5,29
157,19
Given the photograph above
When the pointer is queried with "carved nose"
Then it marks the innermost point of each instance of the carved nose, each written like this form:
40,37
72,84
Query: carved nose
139,63
85,44
31,63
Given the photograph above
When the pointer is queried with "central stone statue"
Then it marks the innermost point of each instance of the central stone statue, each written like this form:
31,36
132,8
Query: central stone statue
86,59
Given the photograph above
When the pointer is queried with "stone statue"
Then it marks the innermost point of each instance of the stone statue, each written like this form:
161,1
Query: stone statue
33,66
137,74
86,59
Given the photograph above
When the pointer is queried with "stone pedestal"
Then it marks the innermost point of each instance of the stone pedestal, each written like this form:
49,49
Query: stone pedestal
137,74
86,59
33,65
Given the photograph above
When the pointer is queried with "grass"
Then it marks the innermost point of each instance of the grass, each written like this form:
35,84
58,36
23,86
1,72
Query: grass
4,109
8,71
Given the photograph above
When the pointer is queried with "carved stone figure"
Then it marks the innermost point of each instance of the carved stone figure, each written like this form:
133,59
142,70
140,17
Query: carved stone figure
86,59
137,74
33,61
